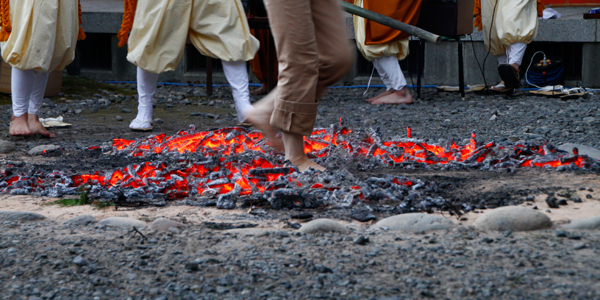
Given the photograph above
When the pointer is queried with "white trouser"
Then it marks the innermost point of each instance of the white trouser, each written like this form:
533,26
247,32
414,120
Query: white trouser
390,72
237,76
27,88
514,54
146,87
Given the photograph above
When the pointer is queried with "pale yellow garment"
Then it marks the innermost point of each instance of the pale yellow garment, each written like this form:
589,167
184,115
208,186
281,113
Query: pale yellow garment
217,28
516,21
44,34
371,52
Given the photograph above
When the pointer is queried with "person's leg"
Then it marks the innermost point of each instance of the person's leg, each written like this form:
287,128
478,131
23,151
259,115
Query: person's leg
146,87
400,94
334,59
384,77
502,59
515,53
237,76
292,106
35,102
21,86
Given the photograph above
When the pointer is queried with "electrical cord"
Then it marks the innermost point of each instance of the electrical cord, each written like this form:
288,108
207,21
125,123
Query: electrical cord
551,77
482,68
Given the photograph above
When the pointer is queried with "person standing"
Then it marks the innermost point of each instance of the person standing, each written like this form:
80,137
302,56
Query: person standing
508,26
313,52
37,37
384,46
156,32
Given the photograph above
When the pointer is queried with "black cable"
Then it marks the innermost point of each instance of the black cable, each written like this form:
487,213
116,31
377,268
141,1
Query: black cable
477,60
489,36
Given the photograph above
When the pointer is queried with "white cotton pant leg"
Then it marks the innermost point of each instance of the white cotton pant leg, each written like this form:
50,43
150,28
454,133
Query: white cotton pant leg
237,76
515,53
21,85
146,87
37,94
502,59
390,72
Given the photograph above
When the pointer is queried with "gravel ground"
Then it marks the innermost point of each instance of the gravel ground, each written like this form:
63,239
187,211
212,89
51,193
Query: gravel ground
50,260
105,114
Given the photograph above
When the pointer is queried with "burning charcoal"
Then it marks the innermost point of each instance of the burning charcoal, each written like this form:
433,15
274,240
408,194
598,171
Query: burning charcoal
302,215
552,202
379,182
20,192
226,201
258,212
291,198
363,215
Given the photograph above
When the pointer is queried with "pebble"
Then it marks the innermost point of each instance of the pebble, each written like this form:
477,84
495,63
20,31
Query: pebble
125,110
164,224
323,225
122,222
7,147
82,220
20,216
588,224
119,118
39,150
579,246
513,218
414,222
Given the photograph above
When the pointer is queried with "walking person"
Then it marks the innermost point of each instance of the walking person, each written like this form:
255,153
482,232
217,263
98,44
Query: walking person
156,32
37,38
314,52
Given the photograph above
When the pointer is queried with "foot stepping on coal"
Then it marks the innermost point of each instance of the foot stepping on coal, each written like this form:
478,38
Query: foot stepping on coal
513,218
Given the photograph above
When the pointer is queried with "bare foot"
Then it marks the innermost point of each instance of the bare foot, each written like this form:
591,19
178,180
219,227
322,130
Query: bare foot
260,118
303,163
19,126
380,95
397,97
37,128
294,152
260,91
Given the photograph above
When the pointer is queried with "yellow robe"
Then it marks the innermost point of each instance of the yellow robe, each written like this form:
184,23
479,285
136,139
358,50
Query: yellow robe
44,34
217,28
515,21
375,41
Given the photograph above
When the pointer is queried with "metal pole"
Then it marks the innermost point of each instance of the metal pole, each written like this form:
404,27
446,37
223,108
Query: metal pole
387,21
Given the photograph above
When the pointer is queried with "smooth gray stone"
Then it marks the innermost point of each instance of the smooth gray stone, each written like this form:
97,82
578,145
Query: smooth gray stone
7,147
323,225
583,149
414,222
163,224
590,223
513,218
20,216
39,150
249,232
82,220
122,222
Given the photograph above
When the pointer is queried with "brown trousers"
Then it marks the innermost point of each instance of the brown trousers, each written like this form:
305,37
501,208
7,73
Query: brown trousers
313,51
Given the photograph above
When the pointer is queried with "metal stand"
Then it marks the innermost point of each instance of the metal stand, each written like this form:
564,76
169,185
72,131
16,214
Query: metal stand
421,66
